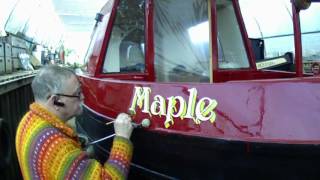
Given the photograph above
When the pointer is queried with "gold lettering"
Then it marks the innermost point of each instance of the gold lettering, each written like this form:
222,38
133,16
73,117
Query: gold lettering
141,98
170,110
191,103
159,104
180,112
200,111
205,113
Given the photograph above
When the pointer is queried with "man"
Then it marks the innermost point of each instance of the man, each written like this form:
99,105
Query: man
48,148
315,68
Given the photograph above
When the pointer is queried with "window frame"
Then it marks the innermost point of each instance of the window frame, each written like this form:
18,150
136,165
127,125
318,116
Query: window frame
222,75
148,74
218,75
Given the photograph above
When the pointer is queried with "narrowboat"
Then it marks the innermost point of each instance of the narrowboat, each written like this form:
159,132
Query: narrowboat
223,83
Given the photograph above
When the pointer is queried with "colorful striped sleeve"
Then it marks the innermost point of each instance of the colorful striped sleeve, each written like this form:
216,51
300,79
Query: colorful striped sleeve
44,152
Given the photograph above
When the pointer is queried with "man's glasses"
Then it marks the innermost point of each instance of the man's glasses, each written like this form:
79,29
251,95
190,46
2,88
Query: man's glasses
77,94
70,96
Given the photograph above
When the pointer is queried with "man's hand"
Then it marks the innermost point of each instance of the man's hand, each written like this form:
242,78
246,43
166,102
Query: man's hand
123,126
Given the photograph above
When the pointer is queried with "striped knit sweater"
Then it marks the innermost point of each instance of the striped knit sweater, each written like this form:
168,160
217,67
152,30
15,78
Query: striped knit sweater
49,149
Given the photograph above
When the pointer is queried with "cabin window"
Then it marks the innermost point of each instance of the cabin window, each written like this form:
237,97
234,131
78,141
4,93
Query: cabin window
231,50
126,47
310,30
181,37
269,26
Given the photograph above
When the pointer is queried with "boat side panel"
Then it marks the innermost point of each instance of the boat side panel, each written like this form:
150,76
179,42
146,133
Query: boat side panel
277,111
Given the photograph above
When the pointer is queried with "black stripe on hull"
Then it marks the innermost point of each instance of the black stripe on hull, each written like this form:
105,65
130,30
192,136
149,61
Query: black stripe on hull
165,156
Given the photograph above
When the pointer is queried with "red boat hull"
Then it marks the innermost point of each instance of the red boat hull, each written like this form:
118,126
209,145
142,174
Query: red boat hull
263,129
278,111
175,156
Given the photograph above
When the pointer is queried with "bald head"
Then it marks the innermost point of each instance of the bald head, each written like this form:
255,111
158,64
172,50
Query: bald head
50,80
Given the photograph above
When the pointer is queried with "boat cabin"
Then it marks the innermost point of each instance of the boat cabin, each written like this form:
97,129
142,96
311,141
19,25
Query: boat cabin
203,41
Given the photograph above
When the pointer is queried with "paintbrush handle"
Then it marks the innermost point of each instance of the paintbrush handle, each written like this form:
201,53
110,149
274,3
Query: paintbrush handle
108,123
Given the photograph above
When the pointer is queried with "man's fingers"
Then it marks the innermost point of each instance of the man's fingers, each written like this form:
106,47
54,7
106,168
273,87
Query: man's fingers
123,126
123,118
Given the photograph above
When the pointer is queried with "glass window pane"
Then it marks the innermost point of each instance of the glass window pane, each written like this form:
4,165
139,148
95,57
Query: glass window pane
310,29
271,36
181,32
232,53
126,48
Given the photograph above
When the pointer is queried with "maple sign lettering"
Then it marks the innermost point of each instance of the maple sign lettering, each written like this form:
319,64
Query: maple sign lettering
200,111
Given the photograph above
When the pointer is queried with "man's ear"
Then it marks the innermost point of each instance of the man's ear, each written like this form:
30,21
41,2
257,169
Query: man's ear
56,102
